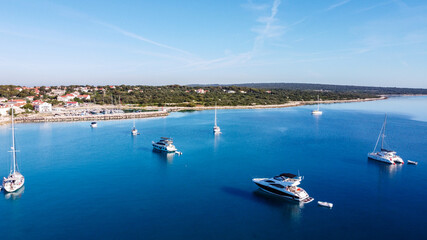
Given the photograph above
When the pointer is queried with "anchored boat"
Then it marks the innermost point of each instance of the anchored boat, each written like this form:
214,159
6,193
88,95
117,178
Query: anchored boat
165,145
15,180
385,155
317,111
284,185
216,128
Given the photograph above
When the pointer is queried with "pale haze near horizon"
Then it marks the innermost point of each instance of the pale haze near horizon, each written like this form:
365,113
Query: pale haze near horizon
370,43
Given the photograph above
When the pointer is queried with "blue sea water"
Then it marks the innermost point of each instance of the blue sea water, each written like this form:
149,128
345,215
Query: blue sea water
84,183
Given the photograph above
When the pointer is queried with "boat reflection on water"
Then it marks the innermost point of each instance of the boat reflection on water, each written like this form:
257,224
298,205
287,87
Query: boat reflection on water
385,170
165,156
217,138
14,195
289,208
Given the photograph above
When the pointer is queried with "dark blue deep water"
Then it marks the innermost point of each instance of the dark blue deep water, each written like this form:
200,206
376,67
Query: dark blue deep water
84,183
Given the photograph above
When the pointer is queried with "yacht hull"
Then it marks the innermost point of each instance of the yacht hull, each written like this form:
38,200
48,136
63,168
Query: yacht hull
13,187
163,149
282,192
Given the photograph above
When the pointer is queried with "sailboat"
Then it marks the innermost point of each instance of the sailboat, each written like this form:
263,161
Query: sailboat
317,111
134,130
386,156
15,180
216,128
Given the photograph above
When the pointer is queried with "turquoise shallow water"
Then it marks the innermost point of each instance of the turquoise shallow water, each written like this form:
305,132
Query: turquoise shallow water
84,183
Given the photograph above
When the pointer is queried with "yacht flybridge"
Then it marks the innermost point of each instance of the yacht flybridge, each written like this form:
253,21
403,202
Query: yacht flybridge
385,155
317,111
15,180
284,185
216,128
165,145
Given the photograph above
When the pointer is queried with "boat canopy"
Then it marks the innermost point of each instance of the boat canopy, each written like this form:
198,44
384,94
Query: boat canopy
289,175
386,150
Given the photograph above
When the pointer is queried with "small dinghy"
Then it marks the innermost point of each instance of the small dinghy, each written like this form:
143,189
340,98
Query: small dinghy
178,152
325,204
412,162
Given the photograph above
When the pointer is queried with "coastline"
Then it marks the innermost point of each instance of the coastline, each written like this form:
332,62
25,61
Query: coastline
37,118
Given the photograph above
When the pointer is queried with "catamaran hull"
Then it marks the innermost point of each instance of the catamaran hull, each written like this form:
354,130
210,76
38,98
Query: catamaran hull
388,160
380,159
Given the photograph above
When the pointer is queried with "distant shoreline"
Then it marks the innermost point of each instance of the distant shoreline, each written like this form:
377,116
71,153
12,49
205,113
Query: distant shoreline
38,118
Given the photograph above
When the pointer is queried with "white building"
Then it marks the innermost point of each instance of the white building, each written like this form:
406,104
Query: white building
43,107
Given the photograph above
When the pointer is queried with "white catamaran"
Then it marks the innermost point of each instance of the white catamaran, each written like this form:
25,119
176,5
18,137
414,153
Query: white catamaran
216,128
317,111
15,180
386,156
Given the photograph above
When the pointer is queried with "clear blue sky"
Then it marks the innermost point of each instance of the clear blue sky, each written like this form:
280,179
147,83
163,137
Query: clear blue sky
358,42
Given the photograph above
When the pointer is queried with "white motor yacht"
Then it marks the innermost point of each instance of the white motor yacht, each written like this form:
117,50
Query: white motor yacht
285,185
165,145
386,156
93,125
317,111
15,180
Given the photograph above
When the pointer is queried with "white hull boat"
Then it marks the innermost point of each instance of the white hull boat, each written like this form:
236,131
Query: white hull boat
134,131
164,145
317,111
412,162
216,128
285,185
93,125
325,204
384,155
15,180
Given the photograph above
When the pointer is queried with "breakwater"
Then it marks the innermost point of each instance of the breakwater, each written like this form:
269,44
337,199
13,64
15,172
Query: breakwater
98,117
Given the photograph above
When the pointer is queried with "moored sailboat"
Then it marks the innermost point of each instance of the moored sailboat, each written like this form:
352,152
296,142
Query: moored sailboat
134,131
216,128
15,180
317,111
385,155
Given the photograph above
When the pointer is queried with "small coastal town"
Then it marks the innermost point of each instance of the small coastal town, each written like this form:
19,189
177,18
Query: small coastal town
85,103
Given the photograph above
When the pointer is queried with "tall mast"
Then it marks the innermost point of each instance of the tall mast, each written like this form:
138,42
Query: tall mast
215,114
14,165
382,140
318,103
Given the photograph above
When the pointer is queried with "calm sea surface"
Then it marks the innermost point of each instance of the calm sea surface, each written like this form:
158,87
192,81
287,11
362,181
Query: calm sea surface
84,183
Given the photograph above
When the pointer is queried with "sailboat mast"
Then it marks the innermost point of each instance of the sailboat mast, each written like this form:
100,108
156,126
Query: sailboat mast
382,140
215,114
13,145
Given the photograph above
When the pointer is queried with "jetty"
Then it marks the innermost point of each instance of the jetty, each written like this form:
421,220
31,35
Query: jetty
98,117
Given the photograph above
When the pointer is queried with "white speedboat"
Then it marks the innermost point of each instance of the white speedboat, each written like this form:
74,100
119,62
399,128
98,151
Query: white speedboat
165,145
317,111
93,125
325,204
15,180
386,156
216,128
285,185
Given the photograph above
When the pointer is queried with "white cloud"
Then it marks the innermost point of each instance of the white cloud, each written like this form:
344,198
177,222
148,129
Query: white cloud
333,6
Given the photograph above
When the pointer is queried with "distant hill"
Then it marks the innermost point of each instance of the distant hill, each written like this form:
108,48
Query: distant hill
329,87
